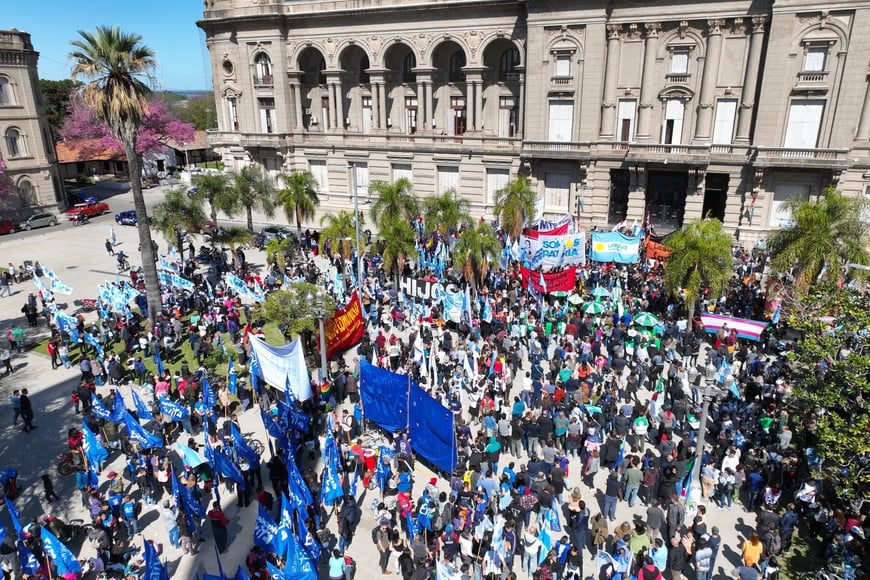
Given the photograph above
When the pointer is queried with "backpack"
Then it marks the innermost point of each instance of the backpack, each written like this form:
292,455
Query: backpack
774,544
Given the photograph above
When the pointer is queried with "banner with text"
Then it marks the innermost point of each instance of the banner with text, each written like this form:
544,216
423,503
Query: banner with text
345,328
614,247
422,289
548,252
562,281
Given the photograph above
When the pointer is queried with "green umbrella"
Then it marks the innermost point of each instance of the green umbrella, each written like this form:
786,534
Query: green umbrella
646,319
600,292
594,308
575,299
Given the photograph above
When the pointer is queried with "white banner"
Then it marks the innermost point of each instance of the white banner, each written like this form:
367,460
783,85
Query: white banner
550,252
280,364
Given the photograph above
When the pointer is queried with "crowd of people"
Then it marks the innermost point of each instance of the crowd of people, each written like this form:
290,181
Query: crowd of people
562,419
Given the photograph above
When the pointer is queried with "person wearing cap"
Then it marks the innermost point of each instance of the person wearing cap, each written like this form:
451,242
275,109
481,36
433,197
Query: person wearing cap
116,484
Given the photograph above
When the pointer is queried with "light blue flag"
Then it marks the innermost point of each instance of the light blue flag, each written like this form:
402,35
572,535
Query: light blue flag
119,409
154,568
189,457
546,542
65,560
275,572
13,515
141,408
98,409
231,376
59,287
138,434
265,530
94,450
92,340
172,409
29,563
298,565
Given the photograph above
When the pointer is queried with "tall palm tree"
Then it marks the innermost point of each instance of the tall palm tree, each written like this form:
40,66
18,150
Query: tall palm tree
116,65
232,237
515,205
701,255
276,251
217,190
177,213
398,244
476,248
395,201
337,227
828,232
298,197
254,188
446,212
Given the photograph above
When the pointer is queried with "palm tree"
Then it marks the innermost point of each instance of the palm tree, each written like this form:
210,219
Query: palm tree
232,237
299,197
177,213
701,255
116,65
254,188
828,232
395,201
398,244
217,190
515,205
446,212
337,227
276,251
476,248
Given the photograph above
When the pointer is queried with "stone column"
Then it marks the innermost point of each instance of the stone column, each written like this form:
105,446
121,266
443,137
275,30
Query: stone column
863,133
611,79
295,99
382,100
704,121
648,84
750,79
430,112
424,98
521,114
331,88
339,104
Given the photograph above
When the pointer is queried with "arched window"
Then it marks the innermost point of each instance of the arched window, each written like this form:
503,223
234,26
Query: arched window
6,92
363,70
408,65
509,60
14,143
457,61
321,76
25,192
263,74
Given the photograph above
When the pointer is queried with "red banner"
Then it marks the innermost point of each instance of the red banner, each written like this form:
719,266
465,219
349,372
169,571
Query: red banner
345,328
562,281
559,230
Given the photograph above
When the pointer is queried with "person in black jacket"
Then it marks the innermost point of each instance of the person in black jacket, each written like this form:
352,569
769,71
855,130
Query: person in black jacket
26,412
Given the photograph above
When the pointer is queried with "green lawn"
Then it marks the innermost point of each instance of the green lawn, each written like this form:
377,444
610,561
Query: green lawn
803,555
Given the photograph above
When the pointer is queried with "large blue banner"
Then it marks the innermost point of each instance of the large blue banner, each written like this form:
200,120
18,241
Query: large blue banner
387,399
614,247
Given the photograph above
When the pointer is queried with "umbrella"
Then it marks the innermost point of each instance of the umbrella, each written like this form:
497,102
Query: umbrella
646,319
575,299
600,292
592,409
594,308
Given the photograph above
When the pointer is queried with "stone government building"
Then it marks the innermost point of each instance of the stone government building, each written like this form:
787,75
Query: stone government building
615,109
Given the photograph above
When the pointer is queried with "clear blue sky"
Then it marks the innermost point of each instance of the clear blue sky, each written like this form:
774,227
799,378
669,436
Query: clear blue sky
168,27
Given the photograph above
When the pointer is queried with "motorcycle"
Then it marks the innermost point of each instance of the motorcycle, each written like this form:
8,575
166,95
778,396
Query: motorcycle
80,219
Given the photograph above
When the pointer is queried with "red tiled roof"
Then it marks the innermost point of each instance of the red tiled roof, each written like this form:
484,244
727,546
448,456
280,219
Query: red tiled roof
199,142
85,150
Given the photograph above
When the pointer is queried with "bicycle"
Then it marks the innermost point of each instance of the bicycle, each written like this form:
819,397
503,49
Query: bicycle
255,444
66,464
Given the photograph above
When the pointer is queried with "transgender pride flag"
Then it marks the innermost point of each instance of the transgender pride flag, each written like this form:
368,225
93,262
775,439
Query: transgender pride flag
745,328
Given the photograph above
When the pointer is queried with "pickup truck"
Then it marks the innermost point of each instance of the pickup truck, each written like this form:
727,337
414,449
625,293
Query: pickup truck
88,209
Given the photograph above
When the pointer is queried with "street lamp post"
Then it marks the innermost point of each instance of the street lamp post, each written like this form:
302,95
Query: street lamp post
359,268
315,301
709,393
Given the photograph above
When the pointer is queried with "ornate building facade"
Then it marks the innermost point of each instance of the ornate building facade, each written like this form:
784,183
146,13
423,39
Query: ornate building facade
26,146
616,109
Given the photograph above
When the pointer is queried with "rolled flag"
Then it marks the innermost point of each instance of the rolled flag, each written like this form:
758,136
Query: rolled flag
64,560
141,408
159,362
138,434
154,568
172,409
13,515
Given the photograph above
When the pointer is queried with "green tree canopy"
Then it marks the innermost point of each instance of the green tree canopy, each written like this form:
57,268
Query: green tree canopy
217,190
117,65
701,255
515,205
476,249
298,197
447,212
398,237
232,237
176,213
198,111
827,232
253,188
832,390
288,308
395,201
337,227
57,96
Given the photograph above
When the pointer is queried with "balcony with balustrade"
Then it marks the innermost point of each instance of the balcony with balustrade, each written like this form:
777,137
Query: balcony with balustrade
787,157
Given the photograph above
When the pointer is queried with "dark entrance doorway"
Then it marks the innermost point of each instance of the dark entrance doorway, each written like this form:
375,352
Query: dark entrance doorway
666,198
715,195
618,209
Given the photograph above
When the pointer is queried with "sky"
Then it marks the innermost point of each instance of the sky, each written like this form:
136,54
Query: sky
168,27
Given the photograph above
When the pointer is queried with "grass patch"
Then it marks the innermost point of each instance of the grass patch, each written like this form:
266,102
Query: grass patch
803,555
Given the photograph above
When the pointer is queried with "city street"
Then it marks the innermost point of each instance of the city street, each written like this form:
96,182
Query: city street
78,257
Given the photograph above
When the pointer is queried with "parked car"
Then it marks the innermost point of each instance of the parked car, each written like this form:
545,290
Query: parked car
7,227
277,233
128,218
192,191
89,209
39,220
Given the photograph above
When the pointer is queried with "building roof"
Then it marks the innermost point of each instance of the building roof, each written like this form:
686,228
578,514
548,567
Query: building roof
199,142
85,150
